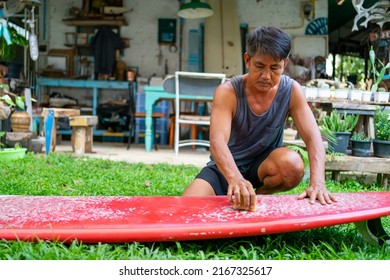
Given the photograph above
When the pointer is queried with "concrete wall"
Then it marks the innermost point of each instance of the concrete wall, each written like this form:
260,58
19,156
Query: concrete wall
143,26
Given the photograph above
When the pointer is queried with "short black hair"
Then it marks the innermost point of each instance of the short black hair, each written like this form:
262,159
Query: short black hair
268,40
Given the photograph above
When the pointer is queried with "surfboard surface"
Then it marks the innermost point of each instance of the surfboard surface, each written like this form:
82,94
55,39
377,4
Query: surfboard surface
144,219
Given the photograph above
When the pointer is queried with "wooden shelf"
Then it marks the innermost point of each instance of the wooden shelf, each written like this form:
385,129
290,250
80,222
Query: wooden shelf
119,21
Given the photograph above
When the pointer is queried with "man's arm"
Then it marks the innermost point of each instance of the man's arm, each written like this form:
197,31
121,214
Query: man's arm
310,133
223,111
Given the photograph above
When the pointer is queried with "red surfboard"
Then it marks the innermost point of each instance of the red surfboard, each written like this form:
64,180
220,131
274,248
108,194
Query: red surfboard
144,219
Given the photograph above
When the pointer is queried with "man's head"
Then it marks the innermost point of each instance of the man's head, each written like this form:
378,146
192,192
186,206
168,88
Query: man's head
266,40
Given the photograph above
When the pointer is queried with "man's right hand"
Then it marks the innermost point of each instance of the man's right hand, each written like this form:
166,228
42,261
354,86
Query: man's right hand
242,195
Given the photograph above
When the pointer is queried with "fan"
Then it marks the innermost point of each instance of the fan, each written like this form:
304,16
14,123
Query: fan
11,7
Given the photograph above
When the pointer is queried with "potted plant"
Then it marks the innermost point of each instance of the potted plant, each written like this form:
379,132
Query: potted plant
341,125
17,151
323,90
381,142
20,119
380,95
360,144
339,92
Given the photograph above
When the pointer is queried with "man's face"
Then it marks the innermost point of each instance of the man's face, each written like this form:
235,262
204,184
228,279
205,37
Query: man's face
264,71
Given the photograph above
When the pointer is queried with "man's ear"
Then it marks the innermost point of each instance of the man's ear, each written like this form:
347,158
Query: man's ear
286,62
246,59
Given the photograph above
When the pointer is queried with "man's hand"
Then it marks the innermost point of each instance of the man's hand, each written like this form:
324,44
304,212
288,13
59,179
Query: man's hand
244,195
318,192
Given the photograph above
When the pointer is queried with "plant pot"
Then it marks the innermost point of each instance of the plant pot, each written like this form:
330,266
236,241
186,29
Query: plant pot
8,154
381,96
366,96
341,93
323,93
360,148
37,145
356,94
311,92
20,121
341,145
381,148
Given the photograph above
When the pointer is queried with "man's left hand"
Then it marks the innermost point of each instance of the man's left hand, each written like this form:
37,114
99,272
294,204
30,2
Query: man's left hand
318,192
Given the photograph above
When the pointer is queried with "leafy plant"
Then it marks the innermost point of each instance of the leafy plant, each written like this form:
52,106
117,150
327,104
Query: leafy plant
382,125
360,136
8,51
339,122
378,75
19,101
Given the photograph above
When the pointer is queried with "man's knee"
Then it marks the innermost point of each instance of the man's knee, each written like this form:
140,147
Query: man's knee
289,165
292,168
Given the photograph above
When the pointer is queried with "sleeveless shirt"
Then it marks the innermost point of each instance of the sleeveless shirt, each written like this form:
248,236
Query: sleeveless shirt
253,135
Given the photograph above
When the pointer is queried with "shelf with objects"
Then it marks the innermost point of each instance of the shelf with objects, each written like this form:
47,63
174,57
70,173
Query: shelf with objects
114,113
90,74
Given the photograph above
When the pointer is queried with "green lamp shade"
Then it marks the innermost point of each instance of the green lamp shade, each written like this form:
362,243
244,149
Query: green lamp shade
195,9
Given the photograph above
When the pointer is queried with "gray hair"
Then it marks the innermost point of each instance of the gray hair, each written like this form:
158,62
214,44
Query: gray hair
268,40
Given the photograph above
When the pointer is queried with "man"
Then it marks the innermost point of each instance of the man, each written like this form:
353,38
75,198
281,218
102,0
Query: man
246,132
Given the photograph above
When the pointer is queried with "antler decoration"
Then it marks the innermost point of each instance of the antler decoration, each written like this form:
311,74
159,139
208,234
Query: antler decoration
378,13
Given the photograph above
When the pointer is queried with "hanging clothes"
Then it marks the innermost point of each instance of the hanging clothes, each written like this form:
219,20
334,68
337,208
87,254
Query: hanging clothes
105,43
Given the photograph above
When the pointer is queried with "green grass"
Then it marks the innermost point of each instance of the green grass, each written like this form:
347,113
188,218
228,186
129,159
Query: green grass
60,174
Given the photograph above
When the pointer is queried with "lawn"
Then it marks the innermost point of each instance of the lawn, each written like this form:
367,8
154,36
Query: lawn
60,174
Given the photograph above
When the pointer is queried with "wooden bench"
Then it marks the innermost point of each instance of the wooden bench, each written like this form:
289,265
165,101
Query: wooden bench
379,166
82,133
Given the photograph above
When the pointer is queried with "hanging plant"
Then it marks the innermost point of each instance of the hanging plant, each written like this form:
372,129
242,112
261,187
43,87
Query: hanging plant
8,51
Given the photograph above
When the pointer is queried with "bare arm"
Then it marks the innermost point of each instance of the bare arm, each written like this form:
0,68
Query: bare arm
310,133
224,108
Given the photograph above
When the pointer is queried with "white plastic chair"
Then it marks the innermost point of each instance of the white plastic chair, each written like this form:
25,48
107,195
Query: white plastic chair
190,87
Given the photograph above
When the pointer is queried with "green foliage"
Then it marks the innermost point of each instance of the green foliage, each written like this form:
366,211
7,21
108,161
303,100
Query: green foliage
339,122
19,101
8,52
377,74
349,66
382,124
360,136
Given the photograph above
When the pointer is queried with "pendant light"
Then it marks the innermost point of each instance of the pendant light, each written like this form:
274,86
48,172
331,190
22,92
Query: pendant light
195,9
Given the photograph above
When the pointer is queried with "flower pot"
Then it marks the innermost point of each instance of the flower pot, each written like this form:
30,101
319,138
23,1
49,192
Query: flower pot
8,154
381,148
381,96
311,92
20,121
366,96
356,94
360,148
341,145
341,93
323,93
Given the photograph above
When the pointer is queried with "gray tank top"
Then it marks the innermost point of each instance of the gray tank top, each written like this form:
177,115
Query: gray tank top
253,135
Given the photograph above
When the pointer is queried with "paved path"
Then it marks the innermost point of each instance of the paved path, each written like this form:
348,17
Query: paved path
136,154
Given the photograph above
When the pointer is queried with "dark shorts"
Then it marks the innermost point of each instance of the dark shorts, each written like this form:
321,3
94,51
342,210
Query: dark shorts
214,177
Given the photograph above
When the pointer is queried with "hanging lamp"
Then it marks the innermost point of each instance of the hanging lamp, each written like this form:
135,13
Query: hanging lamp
195,9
